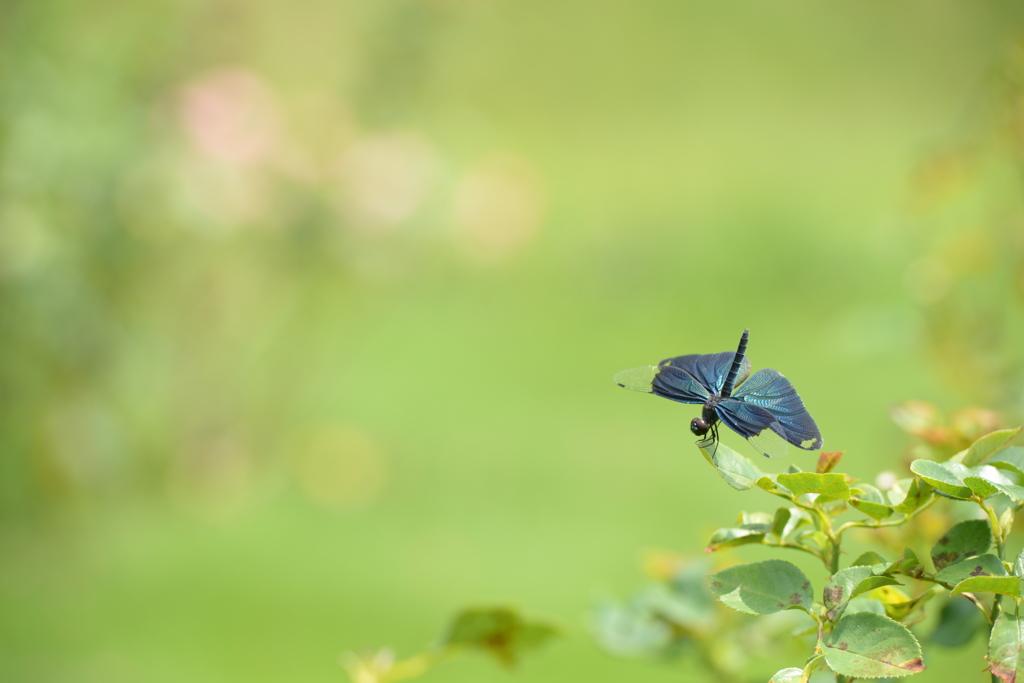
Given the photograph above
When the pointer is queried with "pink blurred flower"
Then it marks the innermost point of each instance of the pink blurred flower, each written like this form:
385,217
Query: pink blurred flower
231,115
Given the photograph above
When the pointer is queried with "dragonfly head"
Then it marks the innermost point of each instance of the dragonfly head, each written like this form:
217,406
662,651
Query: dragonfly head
699,426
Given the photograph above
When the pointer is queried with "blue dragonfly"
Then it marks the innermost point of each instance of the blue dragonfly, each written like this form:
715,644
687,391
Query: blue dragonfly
763,407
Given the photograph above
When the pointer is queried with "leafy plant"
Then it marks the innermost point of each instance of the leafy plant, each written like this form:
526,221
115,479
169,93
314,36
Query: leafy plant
860,623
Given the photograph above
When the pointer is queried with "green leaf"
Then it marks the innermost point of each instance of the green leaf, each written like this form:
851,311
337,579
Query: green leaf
959,621
944,476
873,510
981,486
1010,458
988,445
964,540
1006,648
1018,565
868,645
768,483
987,480
868,558
788,675
799,521
780,522
982,565
909,494
1004,585
871,502
736,536
762,587
500,631
738,472
849,583
830,486
864,604
907,564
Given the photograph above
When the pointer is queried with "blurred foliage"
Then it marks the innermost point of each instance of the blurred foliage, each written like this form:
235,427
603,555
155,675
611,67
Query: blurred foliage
500,632
307,310
968,211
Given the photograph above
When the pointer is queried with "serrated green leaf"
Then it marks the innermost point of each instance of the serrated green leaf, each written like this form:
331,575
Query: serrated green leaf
987,446
964,540
867,558
1009,458
736,470
788,675
943,476
873,582
869,645
769,483
762,587
980,486
869,493
832,486
873,510
1006,648
737,536
1014,492
1004,585
982,565
987,480
909,494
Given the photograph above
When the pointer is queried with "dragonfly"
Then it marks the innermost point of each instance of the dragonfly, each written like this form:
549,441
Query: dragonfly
763,407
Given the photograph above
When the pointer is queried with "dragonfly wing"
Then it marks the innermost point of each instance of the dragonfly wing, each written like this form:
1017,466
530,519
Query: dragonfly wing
770,443
757,425
665,381
769,390
710,369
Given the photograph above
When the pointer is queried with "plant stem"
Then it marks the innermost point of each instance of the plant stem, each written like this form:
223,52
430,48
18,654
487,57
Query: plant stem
888,522
997,532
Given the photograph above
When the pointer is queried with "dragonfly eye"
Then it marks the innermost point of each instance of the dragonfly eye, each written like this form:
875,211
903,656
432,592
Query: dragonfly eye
699,426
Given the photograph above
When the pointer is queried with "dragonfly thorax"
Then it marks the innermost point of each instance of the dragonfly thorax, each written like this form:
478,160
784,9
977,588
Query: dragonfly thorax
709,413
703,424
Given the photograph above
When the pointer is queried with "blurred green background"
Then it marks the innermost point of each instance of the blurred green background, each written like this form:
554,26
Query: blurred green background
309,310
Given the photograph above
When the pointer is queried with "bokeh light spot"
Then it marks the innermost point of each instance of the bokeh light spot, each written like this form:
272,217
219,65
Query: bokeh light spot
340,467
499,207
383,179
